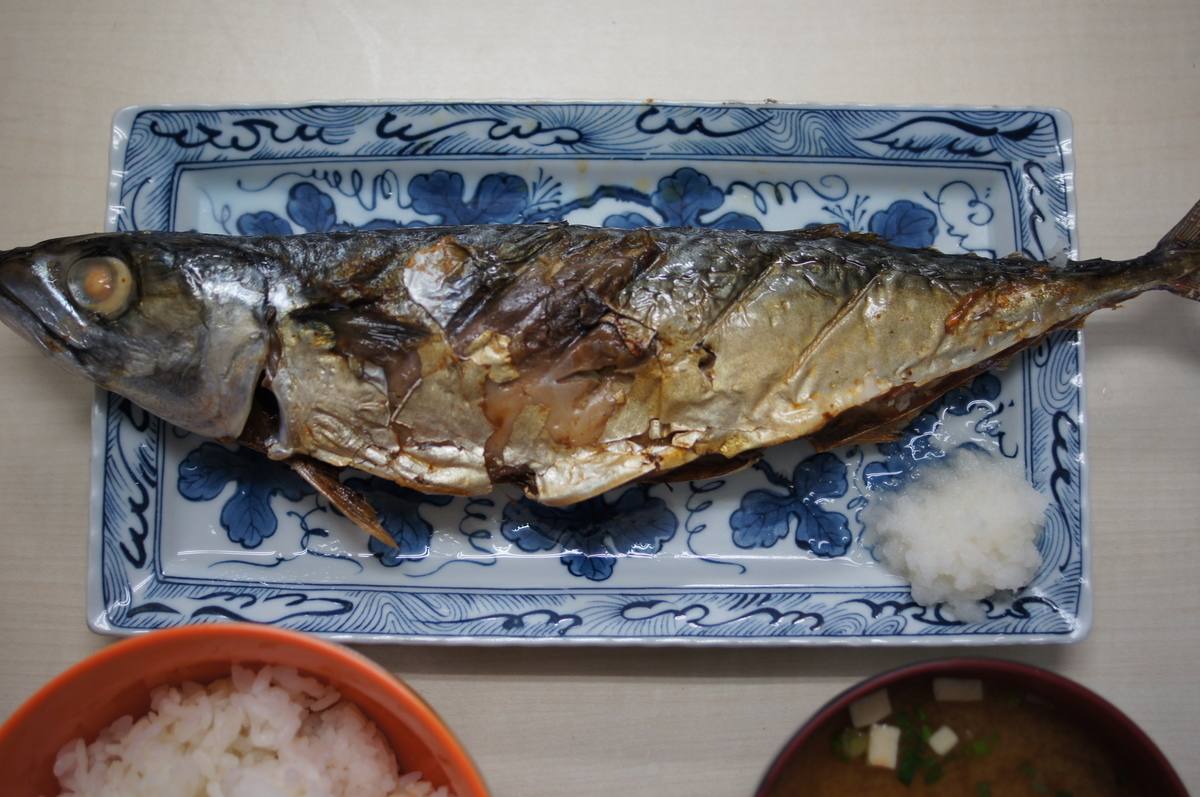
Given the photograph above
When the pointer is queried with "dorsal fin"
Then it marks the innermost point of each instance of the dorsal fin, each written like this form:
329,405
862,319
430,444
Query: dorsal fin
819,231
1185,234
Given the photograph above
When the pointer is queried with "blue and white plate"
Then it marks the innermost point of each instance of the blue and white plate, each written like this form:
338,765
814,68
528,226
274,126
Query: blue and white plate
185,530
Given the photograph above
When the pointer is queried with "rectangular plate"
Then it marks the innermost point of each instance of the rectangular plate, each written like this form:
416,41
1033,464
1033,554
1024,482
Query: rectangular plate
719,561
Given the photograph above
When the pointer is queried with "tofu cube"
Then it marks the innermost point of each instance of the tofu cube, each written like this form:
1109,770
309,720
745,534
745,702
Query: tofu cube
883,746
948,690
870,709
943,740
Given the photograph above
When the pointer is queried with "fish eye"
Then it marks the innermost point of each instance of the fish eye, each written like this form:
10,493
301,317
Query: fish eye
101,285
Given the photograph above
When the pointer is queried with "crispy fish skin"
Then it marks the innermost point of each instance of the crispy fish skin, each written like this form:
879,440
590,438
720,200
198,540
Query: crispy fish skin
567,360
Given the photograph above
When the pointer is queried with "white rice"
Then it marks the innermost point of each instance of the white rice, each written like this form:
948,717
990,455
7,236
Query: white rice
962,530
271,733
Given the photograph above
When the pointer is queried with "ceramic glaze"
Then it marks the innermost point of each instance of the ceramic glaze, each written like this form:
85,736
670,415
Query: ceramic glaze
185,528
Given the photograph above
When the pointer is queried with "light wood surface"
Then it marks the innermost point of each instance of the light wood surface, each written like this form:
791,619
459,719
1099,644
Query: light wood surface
647,721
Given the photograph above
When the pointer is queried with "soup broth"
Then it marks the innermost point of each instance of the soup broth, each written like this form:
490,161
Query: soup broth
1009,743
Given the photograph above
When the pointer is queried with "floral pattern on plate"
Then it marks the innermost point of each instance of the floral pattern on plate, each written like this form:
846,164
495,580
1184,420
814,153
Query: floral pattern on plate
187,529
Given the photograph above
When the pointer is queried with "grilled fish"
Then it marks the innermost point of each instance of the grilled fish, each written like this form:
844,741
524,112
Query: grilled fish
565,360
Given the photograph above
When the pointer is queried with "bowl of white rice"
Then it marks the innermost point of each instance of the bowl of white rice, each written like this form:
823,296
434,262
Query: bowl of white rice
231,710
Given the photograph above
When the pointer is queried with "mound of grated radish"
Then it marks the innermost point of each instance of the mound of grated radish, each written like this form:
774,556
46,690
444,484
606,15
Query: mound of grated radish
965,528
270,733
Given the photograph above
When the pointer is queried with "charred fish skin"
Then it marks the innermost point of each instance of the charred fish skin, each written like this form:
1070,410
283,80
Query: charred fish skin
567,360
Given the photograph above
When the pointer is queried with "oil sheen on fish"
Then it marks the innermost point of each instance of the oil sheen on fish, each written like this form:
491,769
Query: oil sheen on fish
566,360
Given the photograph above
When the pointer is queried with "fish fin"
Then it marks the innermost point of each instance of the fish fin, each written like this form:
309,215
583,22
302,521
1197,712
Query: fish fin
889,432
350,502
819,231
1188,287
881,419
707,466
364,332
893,410
874,422
1185,234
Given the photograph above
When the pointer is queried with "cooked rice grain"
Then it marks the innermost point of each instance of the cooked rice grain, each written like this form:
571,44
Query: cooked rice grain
270,733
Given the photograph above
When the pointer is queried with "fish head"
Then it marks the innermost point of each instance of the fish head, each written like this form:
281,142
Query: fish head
173,322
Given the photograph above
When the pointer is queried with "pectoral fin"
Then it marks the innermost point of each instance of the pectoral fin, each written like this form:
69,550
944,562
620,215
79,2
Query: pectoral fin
350,502
364,332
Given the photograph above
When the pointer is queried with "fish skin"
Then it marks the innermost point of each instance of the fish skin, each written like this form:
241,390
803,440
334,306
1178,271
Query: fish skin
191,349
567,360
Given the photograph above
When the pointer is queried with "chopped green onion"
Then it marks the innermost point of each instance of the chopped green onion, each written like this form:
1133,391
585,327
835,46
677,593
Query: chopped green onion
1040,788
1063,793
982,746
926,732
1028,771
934,773
983,789
850,744
908,768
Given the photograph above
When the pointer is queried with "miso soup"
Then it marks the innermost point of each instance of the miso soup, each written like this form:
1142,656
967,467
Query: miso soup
1006,742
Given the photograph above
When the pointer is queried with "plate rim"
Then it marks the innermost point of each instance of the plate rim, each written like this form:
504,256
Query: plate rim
122,123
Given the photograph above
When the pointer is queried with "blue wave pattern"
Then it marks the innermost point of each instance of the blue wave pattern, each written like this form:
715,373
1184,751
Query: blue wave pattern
1024,142
591,538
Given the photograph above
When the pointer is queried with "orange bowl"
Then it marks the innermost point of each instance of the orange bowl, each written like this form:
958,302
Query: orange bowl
118,680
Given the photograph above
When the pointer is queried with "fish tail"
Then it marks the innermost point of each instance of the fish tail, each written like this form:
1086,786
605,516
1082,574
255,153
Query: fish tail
1183,242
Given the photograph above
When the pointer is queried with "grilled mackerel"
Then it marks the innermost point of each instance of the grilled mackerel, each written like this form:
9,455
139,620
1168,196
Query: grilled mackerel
566,360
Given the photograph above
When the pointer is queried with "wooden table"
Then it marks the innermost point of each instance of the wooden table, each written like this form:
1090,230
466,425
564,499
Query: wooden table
630,720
